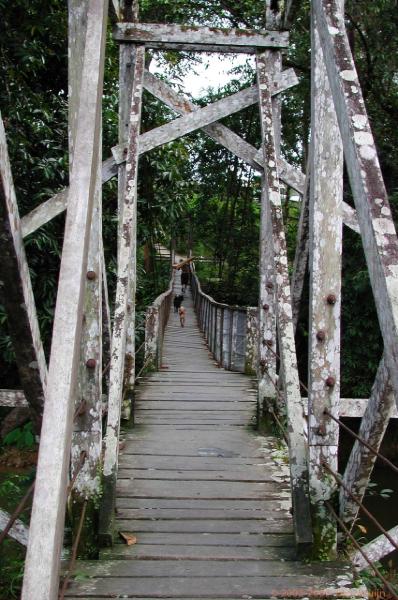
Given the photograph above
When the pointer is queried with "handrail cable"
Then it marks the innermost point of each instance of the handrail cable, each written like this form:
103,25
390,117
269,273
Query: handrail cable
350,431
362,441
358,547
360,504
82,460
74,552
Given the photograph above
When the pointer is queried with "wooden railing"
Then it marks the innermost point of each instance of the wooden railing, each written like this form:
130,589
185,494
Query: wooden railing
157,316
230,331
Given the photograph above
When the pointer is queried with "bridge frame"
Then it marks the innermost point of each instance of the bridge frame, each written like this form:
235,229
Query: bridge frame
72,384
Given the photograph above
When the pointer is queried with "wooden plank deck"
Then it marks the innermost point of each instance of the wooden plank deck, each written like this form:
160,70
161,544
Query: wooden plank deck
205,496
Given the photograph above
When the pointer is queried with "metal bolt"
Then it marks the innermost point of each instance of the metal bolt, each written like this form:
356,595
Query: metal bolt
330,381
269,285
269,342
263,363
91,275
125,151
331,299
266,306
320,335
321,429
90,363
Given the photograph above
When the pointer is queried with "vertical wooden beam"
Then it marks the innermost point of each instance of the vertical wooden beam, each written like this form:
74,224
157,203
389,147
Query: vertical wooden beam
87,430
291,388
374,423
129,12
48,512
374,214
123,291
17,295
326,224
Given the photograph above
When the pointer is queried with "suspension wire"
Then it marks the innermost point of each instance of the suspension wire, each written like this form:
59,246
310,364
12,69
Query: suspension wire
74,552
358,547
362,441
16,513
360,504
279,358
273,413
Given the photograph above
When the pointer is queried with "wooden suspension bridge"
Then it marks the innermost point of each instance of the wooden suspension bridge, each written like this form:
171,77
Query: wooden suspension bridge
194,488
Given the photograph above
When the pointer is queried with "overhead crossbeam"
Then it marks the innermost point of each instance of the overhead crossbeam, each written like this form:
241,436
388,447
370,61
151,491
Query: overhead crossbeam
199,39
194,120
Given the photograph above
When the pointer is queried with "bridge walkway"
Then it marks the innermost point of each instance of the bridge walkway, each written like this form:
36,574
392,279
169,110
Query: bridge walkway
204,498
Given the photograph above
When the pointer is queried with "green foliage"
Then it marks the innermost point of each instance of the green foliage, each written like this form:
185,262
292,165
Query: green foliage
21,437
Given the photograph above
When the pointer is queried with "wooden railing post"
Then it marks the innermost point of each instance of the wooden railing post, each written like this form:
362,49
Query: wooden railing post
87,428
291,388
124,289
325,300
47,521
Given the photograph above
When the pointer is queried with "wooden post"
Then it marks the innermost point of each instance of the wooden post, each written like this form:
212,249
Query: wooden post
123,290
129,12
291,388
17,294
47,520
374,214
374,423
326,224
87,428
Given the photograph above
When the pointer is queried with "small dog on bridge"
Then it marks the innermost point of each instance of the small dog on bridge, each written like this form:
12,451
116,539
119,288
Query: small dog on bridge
177,302
182,312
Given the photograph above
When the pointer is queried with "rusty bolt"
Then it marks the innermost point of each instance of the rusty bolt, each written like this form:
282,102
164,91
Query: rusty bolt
321,429
125,151
269,342
90,363
331,299
266,306
330,381
269,285
320,335
91,275
263,363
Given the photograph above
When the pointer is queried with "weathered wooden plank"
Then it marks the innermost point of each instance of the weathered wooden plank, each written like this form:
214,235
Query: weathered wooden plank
17,294
18,532
374,215
190,489
199,552
185,37
239,568
197,504
202,526
375,550
214,587
123,288
47,520
12,398
182,514
292,397
250,473
374,423
326,228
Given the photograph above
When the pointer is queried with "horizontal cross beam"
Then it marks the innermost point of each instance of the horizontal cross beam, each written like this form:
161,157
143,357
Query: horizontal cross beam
199,39
193,120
